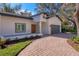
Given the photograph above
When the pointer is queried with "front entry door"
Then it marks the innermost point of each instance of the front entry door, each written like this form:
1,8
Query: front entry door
33,28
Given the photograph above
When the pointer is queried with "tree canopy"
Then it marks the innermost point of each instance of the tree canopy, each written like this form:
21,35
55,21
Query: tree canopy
62,9
7,7
49,8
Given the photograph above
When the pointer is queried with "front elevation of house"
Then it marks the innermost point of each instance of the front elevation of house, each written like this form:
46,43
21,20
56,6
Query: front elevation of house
11,24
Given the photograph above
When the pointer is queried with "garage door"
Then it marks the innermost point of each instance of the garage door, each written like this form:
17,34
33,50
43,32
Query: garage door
55,29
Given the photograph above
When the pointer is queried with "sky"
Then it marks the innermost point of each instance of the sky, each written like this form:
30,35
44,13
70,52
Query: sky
30,7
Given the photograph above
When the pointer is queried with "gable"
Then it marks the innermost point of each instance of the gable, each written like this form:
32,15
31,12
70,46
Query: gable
54,20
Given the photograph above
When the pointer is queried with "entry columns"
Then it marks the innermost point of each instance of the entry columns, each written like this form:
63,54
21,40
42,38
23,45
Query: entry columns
40,27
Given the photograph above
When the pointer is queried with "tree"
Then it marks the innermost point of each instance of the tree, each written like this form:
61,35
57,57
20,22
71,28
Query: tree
68,10
6,7
65,10
76,18
49,8
72,11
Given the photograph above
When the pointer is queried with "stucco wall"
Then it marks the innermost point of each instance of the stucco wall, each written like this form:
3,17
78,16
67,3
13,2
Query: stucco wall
8,24
53,21
46,25
39,18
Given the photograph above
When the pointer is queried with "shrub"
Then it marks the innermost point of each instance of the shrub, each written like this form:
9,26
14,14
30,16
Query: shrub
37,37
75,39
8,41
66,28
14,49
2,42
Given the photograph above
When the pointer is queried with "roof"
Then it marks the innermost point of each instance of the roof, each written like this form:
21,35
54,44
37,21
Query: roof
48,16
20,16
15,15
39,14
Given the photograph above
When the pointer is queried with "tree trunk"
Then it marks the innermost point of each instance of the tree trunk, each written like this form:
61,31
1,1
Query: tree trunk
77,25
76,18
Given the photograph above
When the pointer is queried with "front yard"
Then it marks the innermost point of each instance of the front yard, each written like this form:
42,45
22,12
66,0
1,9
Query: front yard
15,48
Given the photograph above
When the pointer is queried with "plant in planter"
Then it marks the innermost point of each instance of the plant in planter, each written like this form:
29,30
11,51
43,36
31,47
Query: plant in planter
2,43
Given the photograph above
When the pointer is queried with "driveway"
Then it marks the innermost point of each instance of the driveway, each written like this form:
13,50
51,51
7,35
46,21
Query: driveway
55,45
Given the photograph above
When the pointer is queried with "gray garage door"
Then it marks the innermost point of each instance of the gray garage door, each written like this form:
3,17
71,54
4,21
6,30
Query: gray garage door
55,29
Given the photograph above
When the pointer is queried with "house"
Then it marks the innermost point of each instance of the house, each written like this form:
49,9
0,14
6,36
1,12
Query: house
18,25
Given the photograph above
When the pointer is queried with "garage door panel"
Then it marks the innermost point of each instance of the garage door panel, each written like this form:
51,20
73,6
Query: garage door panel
55,29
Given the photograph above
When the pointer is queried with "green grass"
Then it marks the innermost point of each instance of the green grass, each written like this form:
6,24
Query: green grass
14,49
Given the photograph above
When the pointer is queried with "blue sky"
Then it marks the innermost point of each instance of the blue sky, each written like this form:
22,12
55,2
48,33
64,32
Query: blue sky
30,7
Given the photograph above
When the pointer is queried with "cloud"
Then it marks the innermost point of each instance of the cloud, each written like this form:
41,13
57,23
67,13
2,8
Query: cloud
22,10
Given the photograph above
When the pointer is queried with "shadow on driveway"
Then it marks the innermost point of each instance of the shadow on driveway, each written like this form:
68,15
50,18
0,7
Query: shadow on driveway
64,35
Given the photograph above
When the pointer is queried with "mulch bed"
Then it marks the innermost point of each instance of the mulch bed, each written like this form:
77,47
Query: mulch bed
11,42
73,44
20,40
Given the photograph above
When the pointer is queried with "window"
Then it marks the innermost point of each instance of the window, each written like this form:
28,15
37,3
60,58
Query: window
20,27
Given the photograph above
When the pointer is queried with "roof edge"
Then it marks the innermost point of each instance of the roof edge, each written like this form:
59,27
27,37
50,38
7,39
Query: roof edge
38,14
14,15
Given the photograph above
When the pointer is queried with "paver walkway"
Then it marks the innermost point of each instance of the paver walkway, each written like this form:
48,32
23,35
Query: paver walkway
49,46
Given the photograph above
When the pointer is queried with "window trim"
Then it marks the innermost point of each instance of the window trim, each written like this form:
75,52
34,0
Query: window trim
20,31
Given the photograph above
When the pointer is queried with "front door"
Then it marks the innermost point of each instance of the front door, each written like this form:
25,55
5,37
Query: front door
33,28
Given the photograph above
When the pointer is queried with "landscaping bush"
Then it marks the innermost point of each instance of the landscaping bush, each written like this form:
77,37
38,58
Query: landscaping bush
2,42
75,39
14,49
66,28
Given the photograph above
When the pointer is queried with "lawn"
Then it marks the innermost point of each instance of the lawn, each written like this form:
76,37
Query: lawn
14,49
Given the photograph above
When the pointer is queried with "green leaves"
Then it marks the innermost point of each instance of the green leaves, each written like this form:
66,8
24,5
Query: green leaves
75,39
50,8
2,41
7,7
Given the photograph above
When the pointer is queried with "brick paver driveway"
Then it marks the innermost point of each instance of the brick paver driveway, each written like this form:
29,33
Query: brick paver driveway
50,46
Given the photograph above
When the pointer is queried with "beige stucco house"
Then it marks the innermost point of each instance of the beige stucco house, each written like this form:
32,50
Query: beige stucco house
17,25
